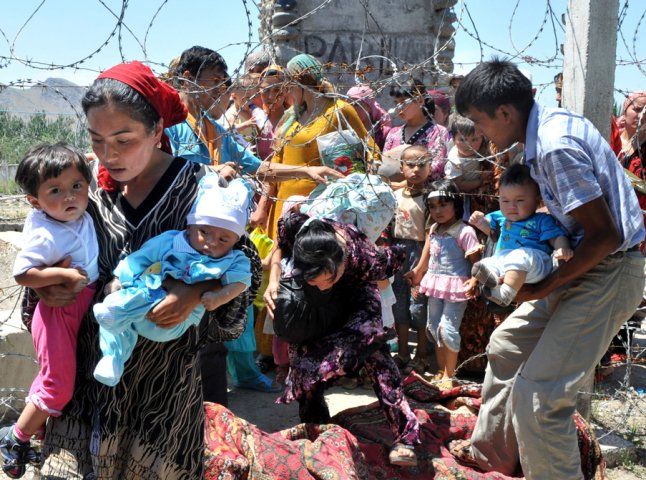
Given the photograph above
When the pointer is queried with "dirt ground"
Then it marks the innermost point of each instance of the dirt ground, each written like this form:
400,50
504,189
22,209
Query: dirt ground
13,210
619,407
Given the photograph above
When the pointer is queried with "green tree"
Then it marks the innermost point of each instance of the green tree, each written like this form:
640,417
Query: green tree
18,135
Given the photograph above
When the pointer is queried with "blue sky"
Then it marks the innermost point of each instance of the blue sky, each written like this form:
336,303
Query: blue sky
520,25
65,31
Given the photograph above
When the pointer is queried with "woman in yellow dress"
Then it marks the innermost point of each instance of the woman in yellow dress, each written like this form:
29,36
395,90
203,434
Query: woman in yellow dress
313,113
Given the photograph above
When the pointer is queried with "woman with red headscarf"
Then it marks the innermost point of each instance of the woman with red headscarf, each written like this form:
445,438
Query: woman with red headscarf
151,425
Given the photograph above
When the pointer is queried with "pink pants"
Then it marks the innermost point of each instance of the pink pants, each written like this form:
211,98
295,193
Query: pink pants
54,330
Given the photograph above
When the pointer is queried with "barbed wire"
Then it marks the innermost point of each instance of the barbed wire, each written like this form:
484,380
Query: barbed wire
538,47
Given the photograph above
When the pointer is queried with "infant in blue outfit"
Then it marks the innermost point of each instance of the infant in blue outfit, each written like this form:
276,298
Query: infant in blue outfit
527,241
204,251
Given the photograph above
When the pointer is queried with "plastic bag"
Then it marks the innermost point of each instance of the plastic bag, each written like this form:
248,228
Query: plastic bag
304,314
365,201
342,150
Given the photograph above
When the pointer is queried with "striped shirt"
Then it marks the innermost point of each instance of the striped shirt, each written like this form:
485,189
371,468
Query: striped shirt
573,165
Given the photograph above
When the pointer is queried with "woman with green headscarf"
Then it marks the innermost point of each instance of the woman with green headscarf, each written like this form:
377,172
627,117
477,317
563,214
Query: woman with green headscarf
315,112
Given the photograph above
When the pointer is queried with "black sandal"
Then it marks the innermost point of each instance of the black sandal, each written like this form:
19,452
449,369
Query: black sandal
264,363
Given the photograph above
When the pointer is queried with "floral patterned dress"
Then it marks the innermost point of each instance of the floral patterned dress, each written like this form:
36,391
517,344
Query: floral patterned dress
361,340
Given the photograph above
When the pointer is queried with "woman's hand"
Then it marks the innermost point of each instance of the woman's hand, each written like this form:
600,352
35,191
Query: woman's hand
414,277
76,279
270,295
228,170
319,174
259,218
56,295
212,300
180,301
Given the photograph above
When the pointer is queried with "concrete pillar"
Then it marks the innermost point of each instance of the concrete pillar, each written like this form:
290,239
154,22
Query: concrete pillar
383,34
589,60
588,84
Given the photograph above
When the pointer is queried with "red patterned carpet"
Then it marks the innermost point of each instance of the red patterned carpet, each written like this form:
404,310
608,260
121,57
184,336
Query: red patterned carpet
356,445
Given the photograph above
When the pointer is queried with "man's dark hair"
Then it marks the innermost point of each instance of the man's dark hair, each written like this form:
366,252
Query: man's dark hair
517,174
492,84
196,59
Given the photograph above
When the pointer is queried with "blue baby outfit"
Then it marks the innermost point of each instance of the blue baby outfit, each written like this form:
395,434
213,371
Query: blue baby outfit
523,245
122,314
533,232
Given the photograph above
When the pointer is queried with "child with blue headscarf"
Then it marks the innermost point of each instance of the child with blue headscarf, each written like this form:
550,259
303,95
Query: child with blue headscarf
204,251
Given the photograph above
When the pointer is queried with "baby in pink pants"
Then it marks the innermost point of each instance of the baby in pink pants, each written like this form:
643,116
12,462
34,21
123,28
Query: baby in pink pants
56,180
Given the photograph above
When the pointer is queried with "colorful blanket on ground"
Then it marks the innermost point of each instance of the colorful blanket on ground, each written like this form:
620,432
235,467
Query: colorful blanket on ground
237,449
357,446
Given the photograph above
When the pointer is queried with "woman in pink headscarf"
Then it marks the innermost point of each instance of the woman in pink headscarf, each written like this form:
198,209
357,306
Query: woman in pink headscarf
374,117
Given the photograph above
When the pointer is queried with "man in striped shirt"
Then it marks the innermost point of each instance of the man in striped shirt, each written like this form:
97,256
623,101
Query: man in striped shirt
541,355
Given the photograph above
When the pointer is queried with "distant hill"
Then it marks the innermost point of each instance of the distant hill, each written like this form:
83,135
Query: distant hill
54,96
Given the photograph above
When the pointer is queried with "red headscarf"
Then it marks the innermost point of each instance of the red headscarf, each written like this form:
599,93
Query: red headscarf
163,98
